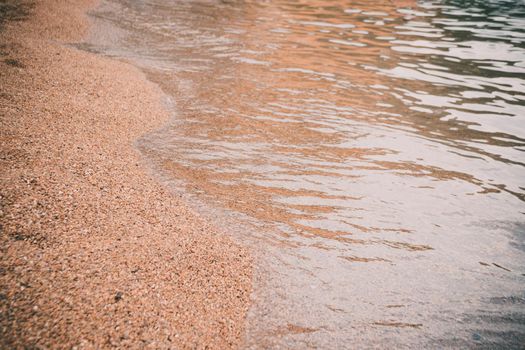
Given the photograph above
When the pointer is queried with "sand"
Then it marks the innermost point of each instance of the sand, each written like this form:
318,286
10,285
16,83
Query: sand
94,252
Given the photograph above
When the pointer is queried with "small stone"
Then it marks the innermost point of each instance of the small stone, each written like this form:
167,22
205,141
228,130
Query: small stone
118,297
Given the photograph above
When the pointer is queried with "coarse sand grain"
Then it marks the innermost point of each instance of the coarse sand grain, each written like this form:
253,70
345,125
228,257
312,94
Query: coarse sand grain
94,253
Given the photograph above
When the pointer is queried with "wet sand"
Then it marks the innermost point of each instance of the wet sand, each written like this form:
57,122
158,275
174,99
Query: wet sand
94,252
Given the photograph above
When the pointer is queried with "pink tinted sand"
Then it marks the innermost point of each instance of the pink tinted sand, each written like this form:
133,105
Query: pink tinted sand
94,252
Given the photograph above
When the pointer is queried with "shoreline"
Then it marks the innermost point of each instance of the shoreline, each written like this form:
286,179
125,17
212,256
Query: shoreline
95,252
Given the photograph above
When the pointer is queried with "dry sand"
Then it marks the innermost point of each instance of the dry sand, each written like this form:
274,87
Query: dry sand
94,252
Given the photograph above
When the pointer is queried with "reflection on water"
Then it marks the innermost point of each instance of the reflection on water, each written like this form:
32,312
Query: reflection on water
378,146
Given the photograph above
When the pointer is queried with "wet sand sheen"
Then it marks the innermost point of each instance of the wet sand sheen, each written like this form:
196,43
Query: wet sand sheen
94,252
372,151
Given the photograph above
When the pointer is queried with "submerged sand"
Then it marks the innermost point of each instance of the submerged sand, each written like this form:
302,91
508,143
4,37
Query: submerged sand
94,252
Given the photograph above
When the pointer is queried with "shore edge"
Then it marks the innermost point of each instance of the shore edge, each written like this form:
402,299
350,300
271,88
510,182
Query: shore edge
94,252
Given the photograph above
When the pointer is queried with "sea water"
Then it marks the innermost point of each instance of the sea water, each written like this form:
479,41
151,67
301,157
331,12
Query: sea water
372,153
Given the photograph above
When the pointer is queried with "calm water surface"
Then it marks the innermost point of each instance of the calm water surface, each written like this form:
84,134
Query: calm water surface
374,151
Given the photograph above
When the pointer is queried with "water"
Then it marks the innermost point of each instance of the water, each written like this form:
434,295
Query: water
372,152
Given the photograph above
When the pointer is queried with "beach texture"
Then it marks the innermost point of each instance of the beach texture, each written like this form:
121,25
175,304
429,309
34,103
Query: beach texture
94,252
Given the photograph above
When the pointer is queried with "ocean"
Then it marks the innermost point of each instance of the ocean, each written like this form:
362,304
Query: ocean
371,153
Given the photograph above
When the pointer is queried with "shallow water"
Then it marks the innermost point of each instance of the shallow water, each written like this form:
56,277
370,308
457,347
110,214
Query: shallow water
374,152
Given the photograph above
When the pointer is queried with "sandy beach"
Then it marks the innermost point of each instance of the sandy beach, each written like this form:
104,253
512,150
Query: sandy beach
94,252
262,174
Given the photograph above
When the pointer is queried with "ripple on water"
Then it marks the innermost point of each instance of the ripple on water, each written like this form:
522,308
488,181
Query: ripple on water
377,148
